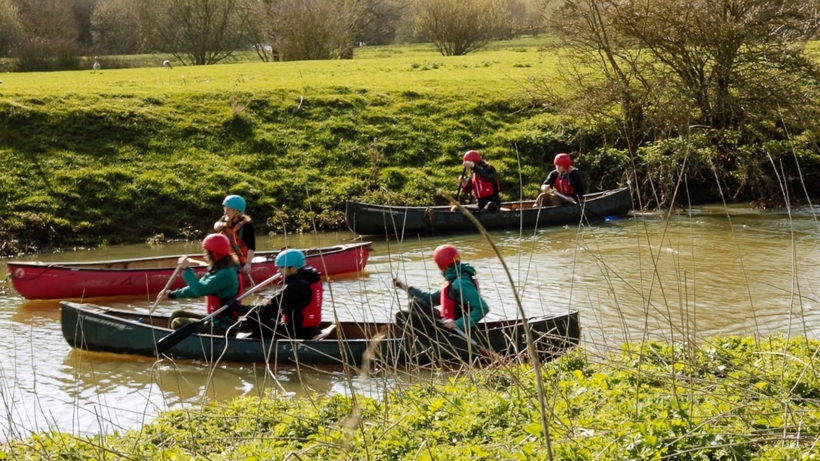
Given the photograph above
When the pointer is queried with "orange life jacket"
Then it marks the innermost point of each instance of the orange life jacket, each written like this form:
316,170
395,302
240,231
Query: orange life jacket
312,313
237,244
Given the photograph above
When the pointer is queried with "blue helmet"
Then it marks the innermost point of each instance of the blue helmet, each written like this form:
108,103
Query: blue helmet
290,258
236,202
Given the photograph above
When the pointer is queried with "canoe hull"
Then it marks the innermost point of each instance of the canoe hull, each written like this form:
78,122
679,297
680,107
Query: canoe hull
552,336
102,329
374,219
147,276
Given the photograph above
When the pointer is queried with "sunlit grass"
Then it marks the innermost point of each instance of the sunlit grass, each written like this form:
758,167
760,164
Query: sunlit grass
96,155
499,69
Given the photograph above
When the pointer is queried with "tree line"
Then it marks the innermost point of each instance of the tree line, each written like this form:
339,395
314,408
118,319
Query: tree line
56,34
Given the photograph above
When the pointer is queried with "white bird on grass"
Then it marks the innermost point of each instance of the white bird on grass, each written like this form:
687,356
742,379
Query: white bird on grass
96,65
167,64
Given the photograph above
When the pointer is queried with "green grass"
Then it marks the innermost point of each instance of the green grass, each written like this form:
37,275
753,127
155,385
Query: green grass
499,69
121,155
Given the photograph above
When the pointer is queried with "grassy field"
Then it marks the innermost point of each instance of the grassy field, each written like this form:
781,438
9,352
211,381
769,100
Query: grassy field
500,69
124,155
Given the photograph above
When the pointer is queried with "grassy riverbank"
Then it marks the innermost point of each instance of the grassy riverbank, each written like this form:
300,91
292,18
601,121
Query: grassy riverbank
127,155
729,399
122,155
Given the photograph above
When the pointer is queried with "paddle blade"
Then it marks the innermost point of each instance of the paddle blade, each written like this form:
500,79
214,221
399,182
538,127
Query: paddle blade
177,336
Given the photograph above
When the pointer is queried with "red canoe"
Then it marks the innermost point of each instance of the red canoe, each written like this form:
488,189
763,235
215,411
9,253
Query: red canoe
141,276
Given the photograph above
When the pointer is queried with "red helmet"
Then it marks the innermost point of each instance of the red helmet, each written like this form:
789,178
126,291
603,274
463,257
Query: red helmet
218,245
563,160
445,256
472,156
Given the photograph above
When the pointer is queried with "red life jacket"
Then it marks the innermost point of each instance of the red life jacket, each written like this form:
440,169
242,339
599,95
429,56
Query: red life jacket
213,303
483,188
451,308
312,313
239,247
562,185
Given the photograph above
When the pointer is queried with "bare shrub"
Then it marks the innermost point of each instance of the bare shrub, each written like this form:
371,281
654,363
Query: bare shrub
116,27
194,31
11,30
38,54
653,70
314,29
50,38
457,27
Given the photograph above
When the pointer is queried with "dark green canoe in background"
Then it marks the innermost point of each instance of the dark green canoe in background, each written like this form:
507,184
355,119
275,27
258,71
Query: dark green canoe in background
374,219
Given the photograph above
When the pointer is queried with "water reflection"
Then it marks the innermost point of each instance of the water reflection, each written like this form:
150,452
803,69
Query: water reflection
708,271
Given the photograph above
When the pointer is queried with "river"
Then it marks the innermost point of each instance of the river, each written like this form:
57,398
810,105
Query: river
709,271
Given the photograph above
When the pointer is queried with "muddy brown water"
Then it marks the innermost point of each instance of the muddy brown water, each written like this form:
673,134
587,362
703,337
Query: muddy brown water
709,271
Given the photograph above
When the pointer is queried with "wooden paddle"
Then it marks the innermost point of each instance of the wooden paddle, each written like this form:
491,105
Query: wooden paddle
584,209
178,336
460,187
494,356
167,286
567,198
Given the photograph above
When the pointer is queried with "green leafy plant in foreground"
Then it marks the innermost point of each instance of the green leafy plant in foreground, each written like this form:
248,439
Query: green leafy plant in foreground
727,399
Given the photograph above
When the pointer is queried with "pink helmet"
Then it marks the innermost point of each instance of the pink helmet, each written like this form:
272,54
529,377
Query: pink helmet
218,245
472,156
563,160
445,256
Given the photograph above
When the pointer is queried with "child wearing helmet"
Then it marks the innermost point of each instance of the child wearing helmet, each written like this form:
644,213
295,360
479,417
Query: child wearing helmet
461,306
219,285
563,186
237,226
296,312
482,182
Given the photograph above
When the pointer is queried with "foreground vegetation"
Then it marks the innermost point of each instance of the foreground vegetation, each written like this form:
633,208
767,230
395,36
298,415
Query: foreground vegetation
729,399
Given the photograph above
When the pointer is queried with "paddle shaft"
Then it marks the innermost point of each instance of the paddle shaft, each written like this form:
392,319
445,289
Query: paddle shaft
178,336
460,179
483,350
177,270
575,202
567,198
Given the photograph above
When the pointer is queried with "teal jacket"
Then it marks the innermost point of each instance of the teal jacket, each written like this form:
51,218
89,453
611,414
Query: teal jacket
463,290
224,284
